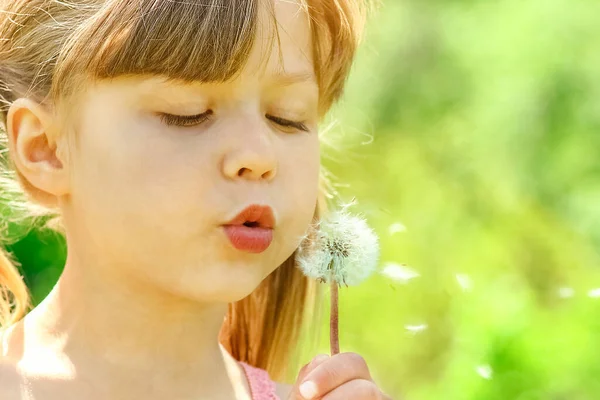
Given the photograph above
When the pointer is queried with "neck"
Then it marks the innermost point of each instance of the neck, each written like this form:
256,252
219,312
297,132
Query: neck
112,329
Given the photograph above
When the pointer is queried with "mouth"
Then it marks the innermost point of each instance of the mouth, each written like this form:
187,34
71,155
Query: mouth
252,229
255,216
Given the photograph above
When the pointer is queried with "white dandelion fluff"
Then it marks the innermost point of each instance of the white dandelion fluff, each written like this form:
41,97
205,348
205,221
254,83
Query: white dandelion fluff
485,371
341,248
465,282
415,329
566,292
594,293
397,227
399,272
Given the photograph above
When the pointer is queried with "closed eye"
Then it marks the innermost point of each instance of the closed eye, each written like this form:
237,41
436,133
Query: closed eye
185,120
286,123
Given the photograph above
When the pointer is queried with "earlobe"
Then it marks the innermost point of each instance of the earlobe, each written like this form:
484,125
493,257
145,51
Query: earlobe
33,148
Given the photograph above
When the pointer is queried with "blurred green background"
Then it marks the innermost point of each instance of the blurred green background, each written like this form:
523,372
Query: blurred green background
468,135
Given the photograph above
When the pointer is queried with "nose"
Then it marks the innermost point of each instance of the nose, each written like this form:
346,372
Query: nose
253,160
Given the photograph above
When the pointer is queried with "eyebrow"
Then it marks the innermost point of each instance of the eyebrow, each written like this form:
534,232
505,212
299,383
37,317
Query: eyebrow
288,79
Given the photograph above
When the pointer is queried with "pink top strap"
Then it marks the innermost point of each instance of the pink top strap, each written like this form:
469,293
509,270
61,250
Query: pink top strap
261,385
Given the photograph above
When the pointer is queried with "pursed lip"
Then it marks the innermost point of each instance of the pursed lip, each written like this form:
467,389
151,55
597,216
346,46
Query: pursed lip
252,229
256,216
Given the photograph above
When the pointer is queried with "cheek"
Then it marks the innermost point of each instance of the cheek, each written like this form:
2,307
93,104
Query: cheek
301,166
301,179
140,177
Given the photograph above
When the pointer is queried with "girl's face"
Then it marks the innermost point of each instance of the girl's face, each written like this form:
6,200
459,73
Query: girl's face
159,167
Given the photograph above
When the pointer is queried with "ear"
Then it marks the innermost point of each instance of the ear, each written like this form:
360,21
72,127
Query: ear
33,149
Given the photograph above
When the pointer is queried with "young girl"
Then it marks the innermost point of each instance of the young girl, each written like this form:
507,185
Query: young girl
177,142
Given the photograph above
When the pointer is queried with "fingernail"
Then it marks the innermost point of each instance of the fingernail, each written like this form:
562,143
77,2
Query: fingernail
308,390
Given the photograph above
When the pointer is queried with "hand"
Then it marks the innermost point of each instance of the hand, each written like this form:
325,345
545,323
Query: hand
344,376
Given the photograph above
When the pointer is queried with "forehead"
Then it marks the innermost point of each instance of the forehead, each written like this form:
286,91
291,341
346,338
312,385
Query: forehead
283,45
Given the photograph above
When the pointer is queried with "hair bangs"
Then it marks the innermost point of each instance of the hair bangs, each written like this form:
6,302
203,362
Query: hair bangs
188,40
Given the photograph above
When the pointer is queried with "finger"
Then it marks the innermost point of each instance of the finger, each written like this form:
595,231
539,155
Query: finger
304,371
358,389
334,372
314,363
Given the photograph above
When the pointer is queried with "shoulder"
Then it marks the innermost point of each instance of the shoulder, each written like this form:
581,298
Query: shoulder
9,382
10,379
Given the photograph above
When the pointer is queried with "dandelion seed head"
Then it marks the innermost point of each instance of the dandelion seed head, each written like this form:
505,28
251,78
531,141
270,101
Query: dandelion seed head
341,247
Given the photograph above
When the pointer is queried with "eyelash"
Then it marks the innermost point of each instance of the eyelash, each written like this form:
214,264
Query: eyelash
287,123
185,120
193,120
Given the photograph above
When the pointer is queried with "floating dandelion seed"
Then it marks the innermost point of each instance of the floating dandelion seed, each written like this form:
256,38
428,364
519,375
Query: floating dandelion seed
566,292
594,293
339,249
414,329
399,272
465,282
485,371
396,228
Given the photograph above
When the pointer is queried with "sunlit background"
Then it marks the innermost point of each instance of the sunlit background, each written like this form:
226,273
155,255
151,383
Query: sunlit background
468,135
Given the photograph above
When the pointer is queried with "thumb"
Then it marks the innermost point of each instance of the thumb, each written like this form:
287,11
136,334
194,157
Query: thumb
304,371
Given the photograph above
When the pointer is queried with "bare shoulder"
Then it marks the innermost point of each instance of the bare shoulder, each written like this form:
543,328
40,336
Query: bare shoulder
9,375
283,390
9,382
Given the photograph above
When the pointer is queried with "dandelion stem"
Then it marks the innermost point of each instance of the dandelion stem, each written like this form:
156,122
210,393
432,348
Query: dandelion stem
334,319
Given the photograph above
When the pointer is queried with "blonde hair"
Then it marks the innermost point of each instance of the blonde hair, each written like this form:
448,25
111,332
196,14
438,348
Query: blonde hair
49,48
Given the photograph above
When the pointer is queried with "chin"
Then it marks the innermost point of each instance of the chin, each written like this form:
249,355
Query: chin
240,285
231,293
228,284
